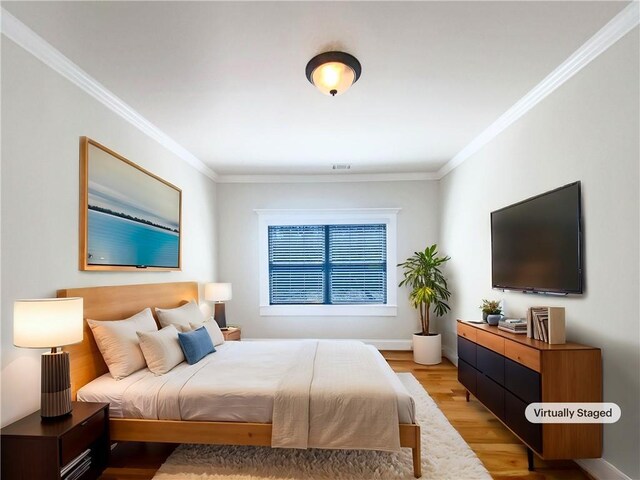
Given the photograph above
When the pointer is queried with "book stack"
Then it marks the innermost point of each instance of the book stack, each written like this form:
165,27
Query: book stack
513,325
546,324
77,467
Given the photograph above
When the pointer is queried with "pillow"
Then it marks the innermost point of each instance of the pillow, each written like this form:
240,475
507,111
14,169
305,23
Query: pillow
196,345
214,331
180,317
161,349
118,342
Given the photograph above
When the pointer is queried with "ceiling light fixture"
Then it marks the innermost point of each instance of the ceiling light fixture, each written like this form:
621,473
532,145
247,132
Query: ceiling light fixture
333,72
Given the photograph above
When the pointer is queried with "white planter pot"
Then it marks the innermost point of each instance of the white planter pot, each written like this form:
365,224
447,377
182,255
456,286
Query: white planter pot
427,349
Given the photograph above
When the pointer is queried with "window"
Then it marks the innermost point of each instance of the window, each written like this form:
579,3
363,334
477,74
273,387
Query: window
328,262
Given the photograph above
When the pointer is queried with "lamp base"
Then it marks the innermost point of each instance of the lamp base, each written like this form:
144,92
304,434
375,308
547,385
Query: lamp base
55,399
219,316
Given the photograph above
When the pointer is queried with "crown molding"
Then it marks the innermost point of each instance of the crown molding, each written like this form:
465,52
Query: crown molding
613,31
608,35
336,178
26,38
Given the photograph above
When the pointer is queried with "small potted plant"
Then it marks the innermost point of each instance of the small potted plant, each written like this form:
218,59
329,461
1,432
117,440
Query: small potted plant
491,311
428,288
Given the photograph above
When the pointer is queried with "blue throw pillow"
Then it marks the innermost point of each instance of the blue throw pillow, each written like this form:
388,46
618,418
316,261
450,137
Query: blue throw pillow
196,344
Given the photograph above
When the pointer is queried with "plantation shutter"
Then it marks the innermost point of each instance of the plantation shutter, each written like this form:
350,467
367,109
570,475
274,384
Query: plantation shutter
296,264
328,264
358,259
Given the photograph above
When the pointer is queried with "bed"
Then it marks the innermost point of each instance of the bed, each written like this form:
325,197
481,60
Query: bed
239,408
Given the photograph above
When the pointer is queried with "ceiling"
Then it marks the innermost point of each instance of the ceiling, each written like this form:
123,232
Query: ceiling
226,79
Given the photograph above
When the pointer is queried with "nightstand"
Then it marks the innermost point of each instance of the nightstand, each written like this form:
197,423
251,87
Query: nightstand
41,448
233,333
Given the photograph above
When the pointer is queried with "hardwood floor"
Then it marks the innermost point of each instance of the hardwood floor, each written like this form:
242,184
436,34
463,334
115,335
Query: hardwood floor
136,461
500,451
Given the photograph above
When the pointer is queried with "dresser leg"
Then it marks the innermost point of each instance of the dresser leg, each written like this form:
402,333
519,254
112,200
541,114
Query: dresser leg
467,394
532,466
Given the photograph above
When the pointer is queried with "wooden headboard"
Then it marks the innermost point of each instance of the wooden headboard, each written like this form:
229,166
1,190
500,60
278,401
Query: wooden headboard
116,303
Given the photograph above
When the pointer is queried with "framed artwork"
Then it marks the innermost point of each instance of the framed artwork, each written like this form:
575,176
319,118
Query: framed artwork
130,219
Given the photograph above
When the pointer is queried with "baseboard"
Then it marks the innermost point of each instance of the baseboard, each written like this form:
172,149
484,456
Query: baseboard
450,354
600,469
379,344
389,344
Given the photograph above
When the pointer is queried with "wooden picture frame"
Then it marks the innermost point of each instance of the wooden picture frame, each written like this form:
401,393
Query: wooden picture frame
130,219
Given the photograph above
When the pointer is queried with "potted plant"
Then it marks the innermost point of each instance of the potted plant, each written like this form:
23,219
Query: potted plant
428,286
491,308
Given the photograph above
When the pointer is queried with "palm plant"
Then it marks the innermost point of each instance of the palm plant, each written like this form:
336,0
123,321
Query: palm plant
428,286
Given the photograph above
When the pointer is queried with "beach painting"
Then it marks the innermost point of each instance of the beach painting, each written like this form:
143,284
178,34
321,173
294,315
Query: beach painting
130,217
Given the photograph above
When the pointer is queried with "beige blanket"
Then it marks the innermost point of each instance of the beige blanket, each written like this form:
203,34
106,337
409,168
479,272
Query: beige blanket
336,396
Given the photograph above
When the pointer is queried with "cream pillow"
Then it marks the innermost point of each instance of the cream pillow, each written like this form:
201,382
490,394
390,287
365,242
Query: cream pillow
161,349
214,331
180,317
118,342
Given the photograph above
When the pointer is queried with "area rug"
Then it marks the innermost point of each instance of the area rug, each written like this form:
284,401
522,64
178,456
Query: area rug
445,455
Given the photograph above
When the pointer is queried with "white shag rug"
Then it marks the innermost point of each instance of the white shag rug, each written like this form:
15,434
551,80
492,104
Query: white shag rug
445,455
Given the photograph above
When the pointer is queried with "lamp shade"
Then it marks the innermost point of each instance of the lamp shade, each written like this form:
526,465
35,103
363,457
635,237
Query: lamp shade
333,78
47,322
217,292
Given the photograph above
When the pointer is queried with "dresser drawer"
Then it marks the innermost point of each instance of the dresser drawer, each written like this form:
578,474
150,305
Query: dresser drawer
467,375
77,440
467,351
514,409
490,394
490,341
529,357
467,331
522,381
491,364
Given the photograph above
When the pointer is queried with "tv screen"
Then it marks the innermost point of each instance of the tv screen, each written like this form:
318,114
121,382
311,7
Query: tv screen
536,244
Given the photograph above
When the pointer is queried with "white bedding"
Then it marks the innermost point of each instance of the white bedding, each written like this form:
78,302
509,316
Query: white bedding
336,395
237,383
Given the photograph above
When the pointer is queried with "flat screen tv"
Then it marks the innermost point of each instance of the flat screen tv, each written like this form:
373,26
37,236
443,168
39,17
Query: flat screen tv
536,244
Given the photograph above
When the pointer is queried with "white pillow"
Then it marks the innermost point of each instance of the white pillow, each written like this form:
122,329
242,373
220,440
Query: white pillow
214,331
180,317
118,342
161,349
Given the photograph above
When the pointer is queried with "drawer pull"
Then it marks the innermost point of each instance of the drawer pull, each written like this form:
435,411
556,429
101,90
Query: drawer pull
84,424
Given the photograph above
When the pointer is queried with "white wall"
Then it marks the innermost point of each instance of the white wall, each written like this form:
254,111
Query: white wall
588,130
238,251
43,116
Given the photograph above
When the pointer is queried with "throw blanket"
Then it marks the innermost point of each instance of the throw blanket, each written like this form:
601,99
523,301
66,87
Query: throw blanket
335,396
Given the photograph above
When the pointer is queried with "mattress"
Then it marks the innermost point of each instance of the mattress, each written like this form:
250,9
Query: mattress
237,383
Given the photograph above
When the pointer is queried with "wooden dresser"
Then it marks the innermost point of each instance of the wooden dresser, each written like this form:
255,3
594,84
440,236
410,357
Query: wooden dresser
506,372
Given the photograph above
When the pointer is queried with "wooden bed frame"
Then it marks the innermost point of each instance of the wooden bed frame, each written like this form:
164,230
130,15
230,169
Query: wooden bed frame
118,302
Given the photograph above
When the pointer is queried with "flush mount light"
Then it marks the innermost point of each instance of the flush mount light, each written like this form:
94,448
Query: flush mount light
333,72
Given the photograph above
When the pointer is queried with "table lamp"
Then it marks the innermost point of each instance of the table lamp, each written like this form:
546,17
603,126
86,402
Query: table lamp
50,323
218,293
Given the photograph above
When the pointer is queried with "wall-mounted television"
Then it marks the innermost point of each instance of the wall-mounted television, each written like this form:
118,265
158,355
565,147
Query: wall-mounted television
536,244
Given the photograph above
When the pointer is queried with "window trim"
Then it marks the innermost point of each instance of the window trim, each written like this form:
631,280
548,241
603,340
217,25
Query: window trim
388,216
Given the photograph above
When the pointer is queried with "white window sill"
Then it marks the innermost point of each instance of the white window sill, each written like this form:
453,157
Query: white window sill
328,310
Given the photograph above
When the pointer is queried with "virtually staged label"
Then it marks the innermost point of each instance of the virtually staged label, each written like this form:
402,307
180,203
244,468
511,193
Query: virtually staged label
573,413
